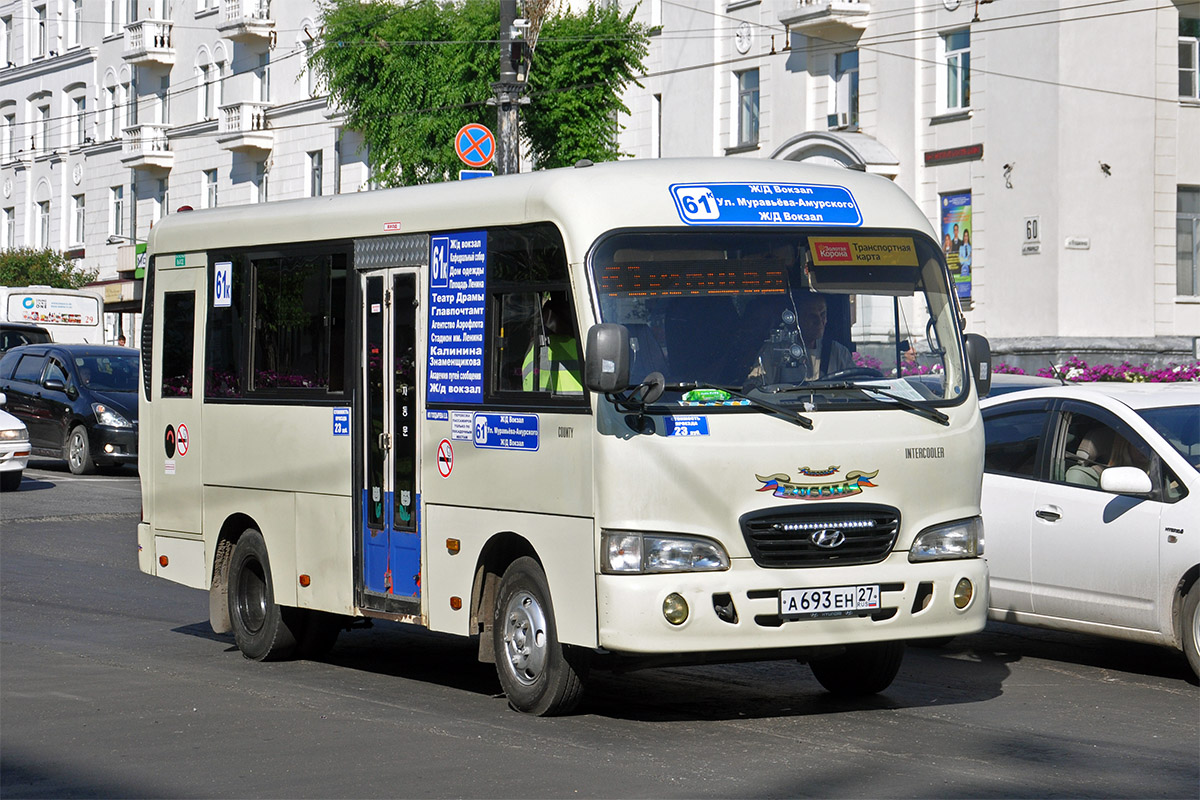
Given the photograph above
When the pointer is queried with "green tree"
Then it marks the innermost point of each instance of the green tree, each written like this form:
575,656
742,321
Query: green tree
408,77
29,267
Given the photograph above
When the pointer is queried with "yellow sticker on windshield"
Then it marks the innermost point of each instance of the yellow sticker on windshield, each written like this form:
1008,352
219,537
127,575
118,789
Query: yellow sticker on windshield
897,251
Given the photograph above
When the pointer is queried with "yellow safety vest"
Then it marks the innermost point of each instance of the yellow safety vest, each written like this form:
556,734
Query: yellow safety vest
556,365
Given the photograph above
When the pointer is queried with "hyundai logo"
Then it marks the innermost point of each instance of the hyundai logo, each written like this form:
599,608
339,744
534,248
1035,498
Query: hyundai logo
828,538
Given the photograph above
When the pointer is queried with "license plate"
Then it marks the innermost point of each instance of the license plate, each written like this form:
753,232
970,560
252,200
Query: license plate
832,601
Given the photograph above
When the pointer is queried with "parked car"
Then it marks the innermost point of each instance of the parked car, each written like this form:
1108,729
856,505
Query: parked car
1091,503
14,449
15,334
79,401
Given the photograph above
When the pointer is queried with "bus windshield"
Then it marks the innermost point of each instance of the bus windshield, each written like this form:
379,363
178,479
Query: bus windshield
825,318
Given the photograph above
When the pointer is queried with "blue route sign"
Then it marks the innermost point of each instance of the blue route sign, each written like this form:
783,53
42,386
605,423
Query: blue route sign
475,145
506,431
765,204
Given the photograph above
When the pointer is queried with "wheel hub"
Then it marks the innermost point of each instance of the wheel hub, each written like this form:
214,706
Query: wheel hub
525,637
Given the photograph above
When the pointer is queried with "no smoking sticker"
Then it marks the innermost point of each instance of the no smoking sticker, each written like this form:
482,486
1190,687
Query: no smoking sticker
445,458
181,440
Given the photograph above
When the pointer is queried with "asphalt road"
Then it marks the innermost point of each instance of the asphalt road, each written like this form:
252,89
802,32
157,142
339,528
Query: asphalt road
112,684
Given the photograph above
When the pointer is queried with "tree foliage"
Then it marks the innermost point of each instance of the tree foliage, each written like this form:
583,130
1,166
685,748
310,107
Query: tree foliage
409,76
26,266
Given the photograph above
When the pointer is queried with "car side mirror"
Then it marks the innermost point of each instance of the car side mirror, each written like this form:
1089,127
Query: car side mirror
979,356
54,385
3,398
1125,480
606,360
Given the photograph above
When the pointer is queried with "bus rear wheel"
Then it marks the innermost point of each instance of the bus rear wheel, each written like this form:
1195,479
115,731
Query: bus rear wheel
261,627
862,670
539,675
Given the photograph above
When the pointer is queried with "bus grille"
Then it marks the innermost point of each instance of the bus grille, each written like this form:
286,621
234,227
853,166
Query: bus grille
828,536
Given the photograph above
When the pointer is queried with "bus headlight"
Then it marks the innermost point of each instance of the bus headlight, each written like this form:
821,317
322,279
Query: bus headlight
109,417
961,539
628,552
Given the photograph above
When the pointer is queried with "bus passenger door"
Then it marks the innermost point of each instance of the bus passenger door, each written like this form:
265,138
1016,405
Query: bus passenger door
391,551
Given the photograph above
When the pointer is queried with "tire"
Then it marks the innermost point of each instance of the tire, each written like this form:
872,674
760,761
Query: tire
262,629
10,481
79,452
538,674
1191,627
864,669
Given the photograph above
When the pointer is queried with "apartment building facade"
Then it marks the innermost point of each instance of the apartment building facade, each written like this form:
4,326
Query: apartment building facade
114,113
1059,140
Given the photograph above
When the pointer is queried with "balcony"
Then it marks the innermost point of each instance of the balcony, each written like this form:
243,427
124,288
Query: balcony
247,21
148,42
146,147
826,19
244,128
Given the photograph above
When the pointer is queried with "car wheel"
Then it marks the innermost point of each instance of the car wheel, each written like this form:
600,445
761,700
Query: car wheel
10,481
862,670
79,452
1191,627
262,630
539,675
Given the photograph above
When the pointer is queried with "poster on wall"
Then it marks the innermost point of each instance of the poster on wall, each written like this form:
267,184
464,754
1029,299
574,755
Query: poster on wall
956,242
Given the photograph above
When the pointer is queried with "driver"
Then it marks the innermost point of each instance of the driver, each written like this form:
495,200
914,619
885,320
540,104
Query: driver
826,356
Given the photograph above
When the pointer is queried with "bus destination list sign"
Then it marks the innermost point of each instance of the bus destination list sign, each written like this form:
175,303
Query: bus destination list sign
457,292
765,204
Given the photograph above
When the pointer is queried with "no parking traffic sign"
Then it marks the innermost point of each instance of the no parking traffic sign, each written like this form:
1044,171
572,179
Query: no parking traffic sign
475,145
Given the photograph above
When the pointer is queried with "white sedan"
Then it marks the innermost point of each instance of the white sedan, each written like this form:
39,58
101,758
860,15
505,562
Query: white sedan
14,449
1091,503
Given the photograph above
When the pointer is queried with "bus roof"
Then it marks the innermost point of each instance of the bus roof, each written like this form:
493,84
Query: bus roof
585,201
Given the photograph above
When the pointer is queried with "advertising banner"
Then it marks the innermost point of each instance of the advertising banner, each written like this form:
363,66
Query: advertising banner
956,241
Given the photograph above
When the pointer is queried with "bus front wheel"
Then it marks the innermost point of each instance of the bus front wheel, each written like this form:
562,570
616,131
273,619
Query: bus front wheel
539,675
863,669
260,625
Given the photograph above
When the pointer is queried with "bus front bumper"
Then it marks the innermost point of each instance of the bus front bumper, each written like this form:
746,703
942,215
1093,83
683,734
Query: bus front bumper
739,609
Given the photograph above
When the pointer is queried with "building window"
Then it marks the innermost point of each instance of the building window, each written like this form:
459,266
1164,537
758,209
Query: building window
210,188
656,119
845,91
78,121
10,227
38,45
310,74
204,77
43,224
315,160
260,182
1189,57
77,219
1187,241
747,104
6,50
164,199
957,75
7,134
262,76
116,222
76,29
164,100
41,129
114,16
131,106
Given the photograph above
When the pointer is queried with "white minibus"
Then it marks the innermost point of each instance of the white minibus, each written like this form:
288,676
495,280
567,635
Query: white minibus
70,315
610,416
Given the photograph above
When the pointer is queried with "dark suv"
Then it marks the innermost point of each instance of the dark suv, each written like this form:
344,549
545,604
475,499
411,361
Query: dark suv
15,334
79,401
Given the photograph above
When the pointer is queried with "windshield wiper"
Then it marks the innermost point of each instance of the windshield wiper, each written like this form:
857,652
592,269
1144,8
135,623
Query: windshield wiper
779,411
925,411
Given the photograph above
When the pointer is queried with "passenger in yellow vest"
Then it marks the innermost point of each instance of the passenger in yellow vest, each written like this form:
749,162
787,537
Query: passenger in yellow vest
552,363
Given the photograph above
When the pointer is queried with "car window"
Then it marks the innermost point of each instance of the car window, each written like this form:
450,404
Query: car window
108,373
1092,445
56,370
1012,442
1180,426
29,368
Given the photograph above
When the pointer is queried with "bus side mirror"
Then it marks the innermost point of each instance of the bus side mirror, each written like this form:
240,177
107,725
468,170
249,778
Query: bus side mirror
606,361
979,356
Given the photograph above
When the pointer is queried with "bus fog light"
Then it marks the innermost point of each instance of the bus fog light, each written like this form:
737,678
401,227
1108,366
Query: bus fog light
675,609
963,593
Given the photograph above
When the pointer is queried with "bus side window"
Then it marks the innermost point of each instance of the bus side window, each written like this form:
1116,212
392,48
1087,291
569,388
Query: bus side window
519,324
179,310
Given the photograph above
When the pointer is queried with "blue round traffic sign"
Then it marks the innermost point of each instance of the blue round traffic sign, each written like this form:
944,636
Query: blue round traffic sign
475,145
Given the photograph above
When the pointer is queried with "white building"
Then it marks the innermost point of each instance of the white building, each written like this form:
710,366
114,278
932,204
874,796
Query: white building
1064,135
114,113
